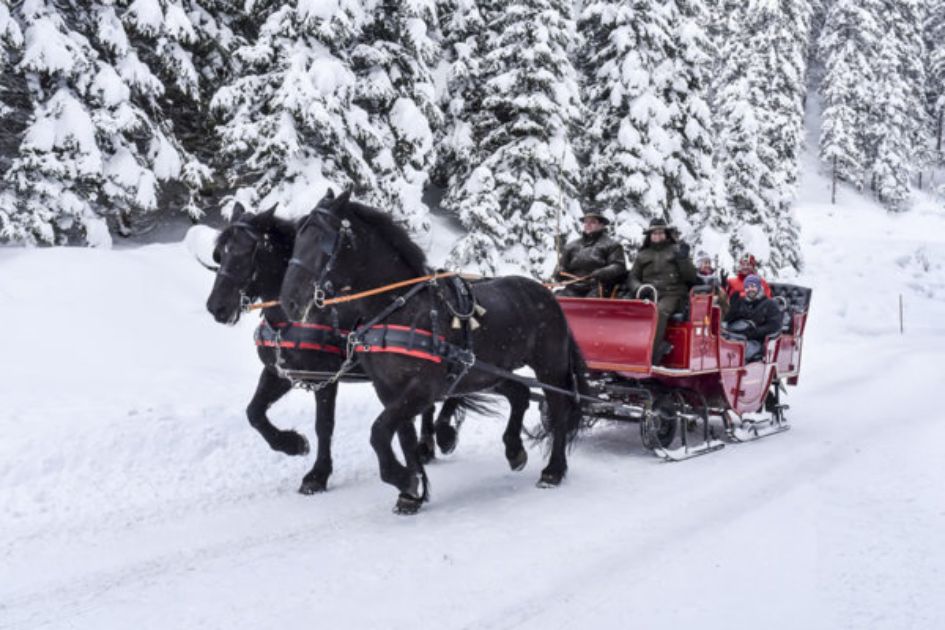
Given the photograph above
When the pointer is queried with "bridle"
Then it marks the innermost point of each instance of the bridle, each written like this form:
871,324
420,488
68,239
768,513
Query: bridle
321,287
243,281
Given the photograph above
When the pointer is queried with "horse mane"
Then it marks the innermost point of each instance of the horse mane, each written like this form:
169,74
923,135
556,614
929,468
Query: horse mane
392,233
281,231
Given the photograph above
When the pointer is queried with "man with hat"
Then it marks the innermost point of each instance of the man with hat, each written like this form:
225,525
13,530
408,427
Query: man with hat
663,263
593,264
753,316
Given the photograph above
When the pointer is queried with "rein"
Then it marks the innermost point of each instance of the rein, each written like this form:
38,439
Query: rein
376,291
574,279
397,285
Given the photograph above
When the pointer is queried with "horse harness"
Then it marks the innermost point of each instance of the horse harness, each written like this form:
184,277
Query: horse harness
300,336
374,336
429,345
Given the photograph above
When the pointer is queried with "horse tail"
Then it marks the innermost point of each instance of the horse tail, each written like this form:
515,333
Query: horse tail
479,404
577,375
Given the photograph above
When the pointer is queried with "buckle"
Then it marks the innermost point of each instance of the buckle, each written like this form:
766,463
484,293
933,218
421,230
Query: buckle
318,298
245,302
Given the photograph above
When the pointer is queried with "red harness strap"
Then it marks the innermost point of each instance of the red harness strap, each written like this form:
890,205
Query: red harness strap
391,338
301,336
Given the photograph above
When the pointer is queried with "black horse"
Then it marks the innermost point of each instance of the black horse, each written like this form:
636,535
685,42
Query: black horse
252,255
352,247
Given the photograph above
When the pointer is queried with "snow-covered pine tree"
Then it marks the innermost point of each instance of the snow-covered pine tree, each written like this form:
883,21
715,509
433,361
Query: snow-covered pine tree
849,35
394,63
99,141
289,127
765,42
525,169
649,136
887,137
462,25
469,188
14,94
896,135
692,178
184,44
748,219
629,68
935,75
784,72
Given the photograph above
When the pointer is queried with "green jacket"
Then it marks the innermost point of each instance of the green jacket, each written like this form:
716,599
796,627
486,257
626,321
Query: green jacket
596,254
667,267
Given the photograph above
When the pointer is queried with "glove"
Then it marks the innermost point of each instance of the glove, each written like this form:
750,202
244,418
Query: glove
723,277
682,251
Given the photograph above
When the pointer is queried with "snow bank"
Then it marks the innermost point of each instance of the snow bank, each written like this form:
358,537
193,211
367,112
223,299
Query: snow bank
133,493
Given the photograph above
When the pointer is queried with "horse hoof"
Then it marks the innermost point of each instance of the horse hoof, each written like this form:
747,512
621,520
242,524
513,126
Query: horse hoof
518,462
446,439
549,480
292,443
407,505
313,487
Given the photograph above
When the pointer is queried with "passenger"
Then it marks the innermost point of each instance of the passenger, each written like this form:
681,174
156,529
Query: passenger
747,265
706,271
705,268
663,263
595,257
753,317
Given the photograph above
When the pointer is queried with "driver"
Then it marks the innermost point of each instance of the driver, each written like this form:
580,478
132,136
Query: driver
595,257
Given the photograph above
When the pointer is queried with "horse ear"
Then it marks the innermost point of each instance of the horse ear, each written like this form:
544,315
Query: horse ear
342,200
270,213
237,213
326,200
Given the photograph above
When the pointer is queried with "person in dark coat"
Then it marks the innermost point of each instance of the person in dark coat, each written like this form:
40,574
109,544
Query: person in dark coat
753,316
595,256
664,263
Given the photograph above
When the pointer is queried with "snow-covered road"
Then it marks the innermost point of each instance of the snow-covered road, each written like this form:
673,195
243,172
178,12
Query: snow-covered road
133,493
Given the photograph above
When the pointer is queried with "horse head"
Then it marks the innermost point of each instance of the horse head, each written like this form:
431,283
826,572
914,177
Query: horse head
324,237
251,255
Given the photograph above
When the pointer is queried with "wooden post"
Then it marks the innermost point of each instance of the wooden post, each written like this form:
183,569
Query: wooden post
833,191
901,328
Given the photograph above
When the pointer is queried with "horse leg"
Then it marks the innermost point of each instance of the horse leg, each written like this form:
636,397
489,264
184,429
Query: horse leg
270,389
558,409
410,483
426,450
446,433
518,396
316,480
407,436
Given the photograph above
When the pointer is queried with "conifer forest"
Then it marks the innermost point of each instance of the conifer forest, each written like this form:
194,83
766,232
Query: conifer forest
510,116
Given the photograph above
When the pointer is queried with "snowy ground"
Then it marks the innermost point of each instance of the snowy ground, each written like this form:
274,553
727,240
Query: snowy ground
133,493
